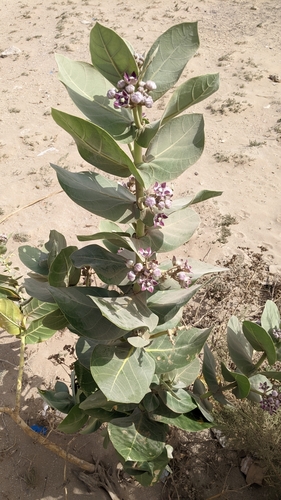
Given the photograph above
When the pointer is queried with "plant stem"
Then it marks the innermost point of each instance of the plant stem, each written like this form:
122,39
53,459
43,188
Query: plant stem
20,375
48,444
227,387
140,227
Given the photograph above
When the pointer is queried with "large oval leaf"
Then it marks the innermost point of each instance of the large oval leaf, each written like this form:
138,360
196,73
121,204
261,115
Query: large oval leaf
168,56
98,195
240,349
110,54
136,438
123,374
176,146
62,271
189,93
96,146
260,340
178,229
82,313
170,354
88,90
10,317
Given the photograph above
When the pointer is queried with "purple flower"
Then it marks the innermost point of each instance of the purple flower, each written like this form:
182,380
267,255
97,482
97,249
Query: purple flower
138,267
146,253
158,220
150,201
270,402
131,276
276,332
111,93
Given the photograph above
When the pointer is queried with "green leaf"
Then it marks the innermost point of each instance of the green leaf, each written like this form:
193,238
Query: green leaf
185,376
255,382
176,146
34,259
124,374
110,268
127,312
10,317
186,422
243,384
37,332
84,377
75,420
200,268
175,47
240,349
260,340
38,289
150,402
88,90
96,146
98,400
203,195
84,351
272,374
82,313
166,304
189,93
110,54
136,438
270,318
209,373
98,195
178,351
147,134
62,272
48,313
178,229
60,399
54,245
179,401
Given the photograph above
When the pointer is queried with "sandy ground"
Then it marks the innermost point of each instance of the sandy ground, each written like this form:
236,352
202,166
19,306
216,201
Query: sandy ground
241,40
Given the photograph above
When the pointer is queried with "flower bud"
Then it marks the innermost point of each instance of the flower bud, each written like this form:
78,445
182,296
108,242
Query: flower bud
121,84
148,102
138,267
136,98
130,89
111,93
131,276
129,263
150,85
150,201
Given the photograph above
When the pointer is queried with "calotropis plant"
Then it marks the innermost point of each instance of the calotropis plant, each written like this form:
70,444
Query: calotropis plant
135,358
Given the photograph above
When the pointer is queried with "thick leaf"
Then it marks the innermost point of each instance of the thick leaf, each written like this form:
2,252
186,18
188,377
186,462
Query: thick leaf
34,259
147,134
178,229
186,422
60,399
6,292
243,384
84,351
255,382
110,268
176,146
10,317
170,324
175,47
96,146
179,401
200,268
150,402
88,90
149,473
166,304
54,245
37,332
62,271
204,405
271,374
98,400
49,314
209,370
178,351
181,203
260,340
74,421
82,313
127,312
98,195
124,374
239,348
189,93
84,378
270,318
185,376
38,289
136,438
110,54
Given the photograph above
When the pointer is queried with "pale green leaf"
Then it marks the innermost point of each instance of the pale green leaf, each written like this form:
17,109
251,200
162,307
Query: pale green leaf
10,317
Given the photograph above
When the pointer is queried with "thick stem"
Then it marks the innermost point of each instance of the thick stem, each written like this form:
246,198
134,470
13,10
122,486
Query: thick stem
48,444
227,387
140,227
20,375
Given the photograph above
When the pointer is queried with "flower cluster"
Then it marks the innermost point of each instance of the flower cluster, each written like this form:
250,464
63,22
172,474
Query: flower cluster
146,274
139,58
181,272
276,332
270,401
131,93
161,198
